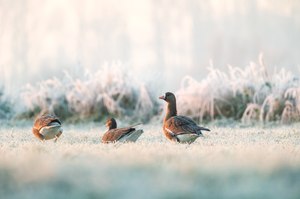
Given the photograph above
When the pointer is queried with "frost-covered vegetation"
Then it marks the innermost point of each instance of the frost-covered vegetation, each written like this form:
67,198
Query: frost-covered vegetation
5,106
251,94
227,163
109,92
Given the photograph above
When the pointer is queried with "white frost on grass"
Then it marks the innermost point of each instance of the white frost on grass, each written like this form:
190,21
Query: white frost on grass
226,163
251,94
109,91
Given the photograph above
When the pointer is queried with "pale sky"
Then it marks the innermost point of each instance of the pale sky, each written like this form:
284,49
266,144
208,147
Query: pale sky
163,40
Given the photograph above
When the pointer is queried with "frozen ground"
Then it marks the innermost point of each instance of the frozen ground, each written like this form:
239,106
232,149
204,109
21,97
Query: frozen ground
226,163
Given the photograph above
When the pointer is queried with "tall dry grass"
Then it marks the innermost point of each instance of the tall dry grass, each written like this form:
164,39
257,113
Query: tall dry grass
253,94
108,92
5,105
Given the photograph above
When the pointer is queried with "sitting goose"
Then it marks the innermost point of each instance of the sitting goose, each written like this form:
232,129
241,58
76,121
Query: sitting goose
46,127
114,134
179,128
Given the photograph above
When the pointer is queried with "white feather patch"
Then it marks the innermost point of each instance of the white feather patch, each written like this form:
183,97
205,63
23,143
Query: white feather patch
184,138
49,132
132,137
187,138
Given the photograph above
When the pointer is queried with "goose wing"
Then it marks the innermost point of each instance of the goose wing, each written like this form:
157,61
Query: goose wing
114,135
183,125
45,120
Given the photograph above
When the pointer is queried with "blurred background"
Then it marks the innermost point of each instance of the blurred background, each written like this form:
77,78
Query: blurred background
93,58
159,41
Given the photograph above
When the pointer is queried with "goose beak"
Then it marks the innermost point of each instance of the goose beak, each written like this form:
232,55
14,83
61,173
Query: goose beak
162,97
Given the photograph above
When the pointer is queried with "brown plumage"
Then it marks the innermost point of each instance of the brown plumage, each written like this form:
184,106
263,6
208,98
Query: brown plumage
47,127
114,134
179,128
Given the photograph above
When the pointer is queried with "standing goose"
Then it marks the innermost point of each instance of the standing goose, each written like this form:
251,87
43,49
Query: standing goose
179,128
47,127
114,134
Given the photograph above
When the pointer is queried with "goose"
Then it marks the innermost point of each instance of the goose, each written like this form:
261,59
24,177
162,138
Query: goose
178,128
114,134
46,127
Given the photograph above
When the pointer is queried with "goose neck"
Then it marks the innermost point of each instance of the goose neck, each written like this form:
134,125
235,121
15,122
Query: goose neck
171,111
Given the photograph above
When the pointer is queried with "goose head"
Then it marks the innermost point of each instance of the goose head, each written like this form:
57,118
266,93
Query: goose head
168,97
111,123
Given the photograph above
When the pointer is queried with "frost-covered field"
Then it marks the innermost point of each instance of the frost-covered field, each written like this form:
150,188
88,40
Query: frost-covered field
226,163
